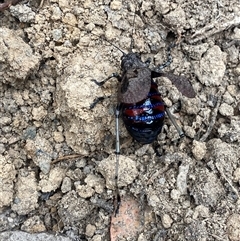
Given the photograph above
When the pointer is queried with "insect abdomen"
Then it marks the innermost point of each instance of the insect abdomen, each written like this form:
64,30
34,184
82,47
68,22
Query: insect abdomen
144,120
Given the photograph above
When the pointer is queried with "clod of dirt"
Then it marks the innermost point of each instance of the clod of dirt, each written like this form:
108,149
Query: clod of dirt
26,199
225,156
95,182
40,150
196,230
127,171
22,12
207,189
33,225
176,18
233,227
7,174
76,93
230,131
211,68
196,51
16,57
73,208
52,181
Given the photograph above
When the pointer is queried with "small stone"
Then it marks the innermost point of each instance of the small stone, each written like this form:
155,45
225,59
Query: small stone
2,148
87,4
233,227
126,174
237,70
236,175
52,181
29,133
201,211
64,4
58,136
85,191
163,6
97,237
146,6
90,230
56,34
236,33
24,13
182,178
166,221
226,110
189,131
175,194
66,185
199,150
39,113
56,13
96,182
5,120
116,5
70,19
17,57
227,98
153,200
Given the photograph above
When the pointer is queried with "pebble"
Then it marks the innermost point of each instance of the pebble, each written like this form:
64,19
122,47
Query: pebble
199,150
166,221
226,110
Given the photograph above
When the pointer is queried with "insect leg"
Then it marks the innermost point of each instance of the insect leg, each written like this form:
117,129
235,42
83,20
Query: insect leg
97,100
117,195
179,130
113,75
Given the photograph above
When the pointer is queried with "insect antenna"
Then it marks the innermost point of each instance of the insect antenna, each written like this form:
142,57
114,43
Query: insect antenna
133,29
115,46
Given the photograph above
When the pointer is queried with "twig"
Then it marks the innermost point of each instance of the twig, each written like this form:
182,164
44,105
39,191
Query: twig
213,28
213,119
217,237
66,158
6,5
229,182
41,4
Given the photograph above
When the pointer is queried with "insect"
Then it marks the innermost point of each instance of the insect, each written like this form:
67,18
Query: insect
139,100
